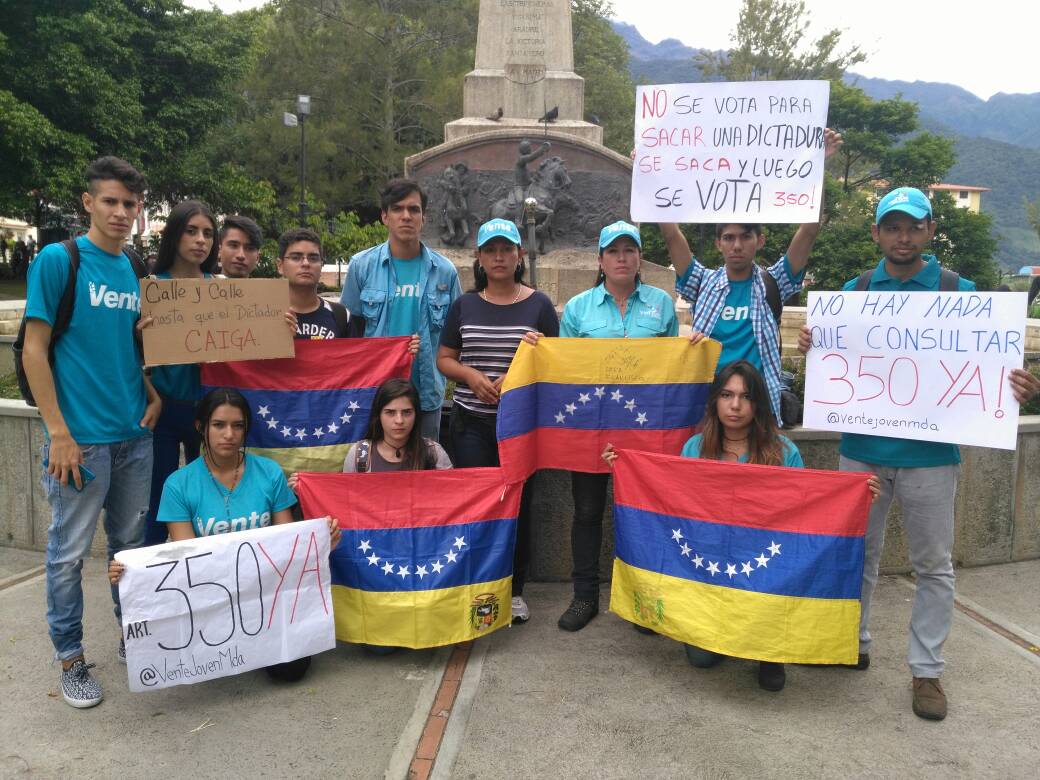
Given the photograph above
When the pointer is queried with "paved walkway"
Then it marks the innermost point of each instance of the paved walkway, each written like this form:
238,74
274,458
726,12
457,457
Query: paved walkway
533,701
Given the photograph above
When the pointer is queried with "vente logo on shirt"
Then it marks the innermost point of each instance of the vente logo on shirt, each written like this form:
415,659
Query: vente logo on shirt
110,299
244,523
735,313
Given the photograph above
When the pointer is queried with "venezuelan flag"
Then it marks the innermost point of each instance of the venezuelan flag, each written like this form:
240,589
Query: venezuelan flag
564,399
750,561
426,557
308,410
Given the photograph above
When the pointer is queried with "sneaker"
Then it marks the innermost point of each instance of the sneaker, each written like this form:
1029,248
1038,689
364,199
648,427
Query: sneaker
578,614
771,676
521,614
121,652
929,698
78,687
701,658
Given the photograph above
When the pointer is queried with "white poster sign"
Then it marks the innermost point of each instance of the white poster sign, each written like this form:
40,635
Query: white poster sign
745,152
921,365
220,605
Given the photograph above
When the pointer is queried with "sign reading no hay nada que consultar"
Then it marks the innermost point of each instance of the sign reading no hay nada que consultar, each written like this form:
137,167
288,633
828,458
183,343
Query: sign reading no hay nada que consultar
745,152
215,320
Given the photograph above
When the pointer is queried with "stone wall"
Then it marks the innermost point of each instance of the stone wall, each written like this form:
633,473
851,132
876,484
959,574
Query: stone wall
997,509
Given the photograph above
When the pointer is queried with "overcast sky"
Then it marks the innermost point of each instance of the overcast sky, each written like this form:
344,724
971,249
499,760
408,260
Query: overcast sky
986,47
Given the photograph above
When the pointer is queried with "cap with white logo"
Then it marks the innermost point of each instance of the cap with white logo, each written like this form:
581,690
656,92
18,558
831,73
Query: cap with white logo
906,199
612,233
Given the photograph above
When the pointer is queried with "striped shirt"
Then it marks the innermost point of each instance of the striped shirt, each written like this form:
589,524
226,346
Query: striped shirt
487,336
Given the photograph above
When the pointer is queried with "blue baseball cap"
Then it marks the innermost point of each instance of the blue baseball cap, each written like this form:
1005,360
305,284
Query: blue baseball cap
906,199
498,227
612,233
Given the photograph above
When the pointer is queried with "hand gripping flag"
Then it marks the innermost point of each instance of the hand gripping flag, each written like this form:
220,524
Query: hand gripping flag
308,410
564,399
750,561
426,557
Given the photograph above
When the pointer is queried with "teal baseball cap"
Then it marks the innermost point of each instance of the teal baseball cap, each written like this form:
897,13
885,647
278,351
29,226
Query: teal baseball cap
495,228
612,233
906,199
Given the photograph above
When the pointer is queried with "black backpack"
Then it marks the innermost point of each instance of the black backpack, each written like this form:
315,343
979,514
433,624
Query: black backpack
62,317
949,281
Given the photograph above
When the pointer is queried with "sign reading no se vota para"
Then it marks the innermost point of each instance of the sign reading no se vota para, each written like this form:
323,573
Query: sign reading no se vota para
923,365
215,320
225,604
744,152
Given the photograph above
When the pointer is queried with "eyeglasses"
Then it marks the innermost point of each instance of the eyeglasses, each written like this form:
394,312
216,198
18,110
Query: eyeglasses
299,257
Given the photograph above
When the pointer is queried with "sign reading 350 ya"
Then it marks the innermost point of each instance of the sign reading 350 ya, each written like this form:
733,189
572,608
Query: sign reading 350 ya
220,605
925,365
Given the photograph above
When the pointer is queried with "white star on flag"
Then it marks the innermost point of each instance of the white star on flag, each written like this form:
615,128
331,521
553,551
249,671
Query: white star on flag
345,418
677,534
698,561
685,550
762,560
333,427
731,570
301,434
560,417
451,556
373,560
354,406
460,542
437,566
263,411
364,546
641,418
388,568
272,423
570,408
616,396
713,568
774,549
583,398
318,432
286,431
631,404
403,571
600,392
745,568
421,571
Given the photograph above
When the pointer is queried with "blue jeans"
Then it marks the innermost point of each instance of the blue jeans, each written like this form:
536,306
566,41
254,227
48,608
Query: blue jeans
176,427
122,472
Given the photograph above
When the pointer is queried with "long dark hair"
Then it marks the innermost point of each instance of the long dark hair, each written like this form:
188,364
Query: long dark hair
764,444
220,396
416,457
176,224
480,280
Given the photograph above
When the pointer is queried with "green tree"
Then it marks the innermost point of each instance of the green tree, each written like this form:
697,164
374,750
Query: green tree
964,241
601,58
769,47
141,79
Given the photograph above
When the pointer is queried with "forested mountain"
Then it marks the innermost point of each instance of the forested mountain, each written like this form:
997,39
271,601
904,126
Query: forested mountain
998,140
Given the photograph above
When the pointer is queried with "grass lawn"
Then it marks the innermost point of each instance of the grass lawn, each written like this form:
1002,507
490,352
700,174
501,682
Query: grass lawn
12,290
9,387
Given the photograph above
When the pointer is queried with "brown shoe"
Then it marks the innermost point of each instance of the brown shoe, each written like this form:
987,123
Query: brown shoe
929,699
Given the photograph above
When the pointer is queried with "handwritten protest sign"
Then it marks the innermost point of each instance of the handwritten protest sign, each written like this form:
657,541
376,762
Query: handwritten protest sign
225,604
928,366
215,320
729,152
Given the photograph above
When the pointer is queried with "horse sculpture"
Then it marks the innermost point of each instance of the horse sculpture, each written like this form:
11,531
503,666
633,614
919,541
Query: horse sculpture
455,210
549,188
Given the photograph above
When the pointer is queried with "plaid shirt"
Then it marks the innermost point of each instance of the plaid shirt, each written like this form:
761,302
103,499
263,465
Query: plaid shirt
706,290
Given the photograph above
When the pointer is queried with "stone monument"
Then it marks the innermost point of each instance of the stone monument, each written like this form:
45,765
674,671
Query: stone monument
523,136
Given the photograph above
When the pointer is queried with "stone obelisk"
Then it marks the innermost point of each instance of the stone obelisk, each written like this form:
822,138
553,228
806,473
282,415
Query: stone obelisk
524,68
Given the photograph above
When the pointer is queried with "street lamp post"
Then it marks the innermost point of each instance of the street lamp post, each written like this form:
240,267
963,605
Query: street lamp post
303,110
530,217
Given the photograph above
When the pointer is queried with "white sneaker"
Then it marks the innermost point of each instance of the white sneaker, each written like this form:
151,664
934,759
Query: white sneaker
521,614
78,687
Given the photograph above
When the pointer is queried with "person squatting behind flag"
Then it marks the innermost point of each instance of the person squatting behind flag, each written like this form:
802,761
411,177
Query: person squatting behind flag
227,490
481,334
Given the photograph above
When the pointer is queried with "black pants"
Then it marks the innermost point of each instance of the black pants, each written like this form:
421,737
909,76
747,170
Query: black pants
474,444
590,499
290,671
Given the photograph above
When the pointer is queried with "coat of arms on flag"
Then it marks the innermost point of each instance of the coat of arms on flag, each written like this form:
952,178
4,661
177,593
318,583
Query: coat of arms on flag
309,410
426,557
757,562
564,399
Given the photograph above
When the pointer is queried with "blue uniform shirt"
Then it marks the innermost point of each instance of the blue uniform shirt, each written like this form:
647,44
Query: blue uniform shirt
792,457
594,314
97,368
192,495
885,450
369,291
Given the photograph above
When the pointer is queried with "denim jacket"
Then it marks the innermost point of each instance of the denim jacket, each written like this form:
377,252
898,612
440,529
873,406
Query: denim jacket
369,290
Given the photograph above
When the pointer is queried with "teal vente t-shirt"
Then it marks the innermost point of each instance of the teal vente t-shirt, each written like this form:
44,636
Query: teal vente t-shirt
97,369
733,327
792,457
886,450
180,382
404,307
191,494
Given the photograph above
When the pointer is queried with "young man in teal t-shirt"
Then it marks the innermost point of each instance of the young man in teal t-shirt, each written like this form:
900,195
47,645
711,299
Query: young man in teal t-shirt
97,407
922,475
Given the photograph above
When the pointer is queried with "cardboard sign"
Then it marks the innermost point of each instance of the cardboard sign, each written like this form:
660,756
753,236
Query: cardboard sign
745,152
226,604
922,365
215,320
